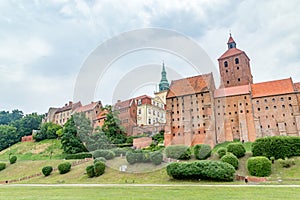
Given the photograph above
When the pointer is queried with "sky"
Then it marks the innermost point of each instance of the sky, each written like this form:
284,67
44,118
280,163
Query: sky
45,44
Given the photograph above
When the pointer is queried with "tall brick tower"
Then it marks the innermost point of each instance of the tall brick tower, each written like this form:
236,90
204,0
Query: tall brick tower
234,66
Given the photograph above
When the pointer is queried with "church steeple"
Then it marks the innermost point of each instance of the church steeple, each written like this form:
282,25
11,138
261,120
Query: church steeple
164,84
231,43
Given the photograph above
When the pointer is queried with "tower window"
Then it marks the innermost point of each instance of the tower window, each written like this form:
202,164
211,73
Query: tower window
239,79
227,82
226,71
238,68
236,61
225,64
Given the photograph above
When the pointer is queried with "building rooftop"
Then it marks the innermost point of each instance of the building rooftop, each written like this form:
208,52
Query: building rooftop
231,52
297,86
232,91
88,107
124,104
69,106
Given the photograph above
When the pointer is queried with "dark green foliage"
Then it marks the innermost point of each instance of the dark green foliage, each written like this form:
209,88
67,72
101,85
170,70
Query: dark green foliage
204,170
231,159
237,149
178,152
156,157
2,166
120,151
90,171
99,168
259,166
286,162
64,168
131,157
107,154
6,117
159,137
138,156
202,151
47,170
8,136
222,152
277,146
13,159
100,159
82,155
48,131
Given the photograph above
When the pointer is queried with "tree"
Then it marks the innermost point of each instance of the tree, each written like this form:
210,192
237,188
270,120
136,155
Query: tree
112,128
28,123
8,136
48,131
6,117
70,141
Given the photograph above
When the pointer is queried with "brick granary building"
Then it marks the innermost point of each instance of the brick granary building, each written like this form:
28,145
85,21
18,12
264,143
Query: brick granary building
197,112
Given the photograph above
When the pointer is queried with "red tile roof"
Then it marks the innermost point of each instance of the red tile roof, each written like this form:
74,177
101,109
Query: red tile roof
297,86
88,107
69,106
270,88
232,91
102,114
124,104
230,40
231,52
191,85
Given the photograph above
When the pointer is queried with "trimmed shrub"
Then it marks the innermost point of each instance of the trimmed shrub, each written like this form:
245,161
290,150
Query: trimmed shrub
156,157
107,154
90,171
119,151
47,170
202,151
231,159
259,166
130,157
13,159
99,168
286,162
64,168
138,156
204,169
237,149
178,152
82,155
222,152
2,166
277,146
100,159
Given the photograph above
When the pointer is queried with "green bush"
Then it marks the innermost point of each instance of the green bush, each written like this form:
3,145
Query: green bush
286,162
2,166
90,171
204,169
82,155
178,152
130,157
99,168
138,156
222,152
202,151
231,159
259,166
237,149
119,151
107,154
277,146
47,170
156,157
13,159
100,159
64,168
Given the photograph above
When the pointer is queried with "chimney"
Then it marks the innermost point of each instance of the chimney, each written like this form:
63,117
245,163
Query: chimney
66,104
119,101
70,103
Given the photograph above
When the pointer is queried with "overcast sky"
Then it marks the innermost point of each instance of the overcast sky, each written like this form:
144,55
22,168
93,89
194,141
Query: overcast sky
44,45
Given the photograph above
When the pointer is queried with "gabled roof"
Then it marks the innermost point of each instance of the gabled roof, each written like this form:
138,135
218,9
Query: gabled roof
69,106
231,52
270,88
191,85
88,107
142,97
230,40
102,114
124,104
232,91
297,86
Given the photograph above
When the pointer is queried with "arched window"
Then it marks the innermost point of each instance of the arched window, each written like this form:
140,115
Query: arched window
225,64
237,61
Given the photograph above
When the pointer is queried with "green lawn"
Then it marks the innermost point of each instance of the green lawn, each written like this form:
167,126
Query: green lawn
169,192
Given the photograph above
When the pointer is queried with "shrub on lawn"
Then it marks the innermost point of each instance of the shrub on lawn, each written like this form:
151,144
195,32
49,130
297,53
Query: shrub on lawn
78,156
2,166
222,152
99,168
204,169
178,152
100,159
156,157
277,146
202,151
259,166
47,170
286,162
119,151
231,159
64,168
90,171
237,149
13,159
107,154
138,156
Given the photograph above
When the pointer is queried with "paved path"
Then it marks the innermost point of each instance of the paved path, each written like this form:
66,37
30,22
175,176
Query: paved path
143,185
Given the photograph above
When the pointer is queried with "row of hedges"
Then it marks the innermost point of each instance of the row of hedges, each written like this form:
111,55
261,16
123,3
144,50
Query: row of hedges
95,170
204,169
82,155
179,152
107,154
63,168
139,156
277,146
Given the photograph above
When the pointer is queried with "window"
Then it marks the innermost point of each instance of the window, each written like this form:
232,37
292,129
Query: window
290,98
140,111
237,68
149,121
227,82
236,61
226,71
139,102
273,99
275,107
267,108
282,99
258,109
257,101
283,106
225,64
239,79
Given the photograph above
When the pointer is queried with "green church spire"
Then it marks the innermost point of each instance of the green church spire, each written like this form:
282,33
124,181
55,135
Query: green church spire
164,84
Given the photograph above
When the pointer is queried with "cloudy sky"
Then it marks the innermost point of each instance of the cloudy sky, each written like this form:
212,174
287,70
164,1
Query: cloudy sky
44,44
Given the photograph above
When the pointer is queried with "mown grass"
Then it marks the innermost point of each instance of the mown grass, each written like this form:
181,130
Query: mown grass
153,192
